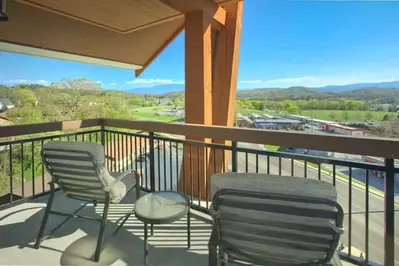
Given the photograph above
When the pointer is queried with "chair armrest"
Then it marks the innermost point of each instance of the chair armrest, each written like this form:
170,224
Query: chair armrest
118,179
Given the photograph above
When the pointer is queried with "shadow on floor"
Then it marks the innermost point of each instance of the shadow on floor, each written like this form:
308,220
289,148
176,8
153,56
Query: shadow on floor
75,242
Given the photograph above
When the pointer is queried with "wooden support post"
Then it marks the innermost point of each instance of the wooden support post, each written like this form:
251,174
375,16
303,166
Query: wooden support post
225,74
198,98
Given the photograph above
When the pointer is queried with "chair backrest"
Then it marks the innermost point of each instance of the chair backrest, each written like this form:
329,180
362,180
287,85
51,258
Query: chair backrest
272,228
76,168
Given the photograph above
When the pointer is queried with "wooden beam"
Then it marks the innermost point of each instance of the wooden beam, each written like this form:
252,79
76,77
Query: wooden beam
226,55
138,72
207,6
198,96
378,147
18,130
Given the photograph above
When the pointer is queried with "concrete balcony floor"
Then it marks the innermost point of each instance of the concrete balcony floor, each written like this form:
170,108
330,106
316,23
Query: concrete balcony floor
74,243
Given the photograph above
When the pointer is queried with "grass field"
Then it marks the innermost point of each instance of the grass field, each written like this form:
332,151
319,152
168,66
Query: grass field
326,114
150,113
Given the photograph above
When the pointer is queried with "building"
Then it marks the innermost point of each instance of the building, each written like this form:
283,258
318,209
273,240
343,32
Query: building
350,131
278,124
5,104
244,121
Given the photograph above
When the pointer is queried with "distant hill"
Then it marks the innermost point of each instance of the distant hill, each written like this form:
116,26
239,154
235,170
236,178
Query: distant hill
338,88
385,92
159,89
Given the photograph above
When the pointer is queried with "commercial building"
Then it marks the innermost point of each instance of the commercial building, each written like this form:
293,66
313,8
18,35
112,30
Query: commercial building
278,124
350,131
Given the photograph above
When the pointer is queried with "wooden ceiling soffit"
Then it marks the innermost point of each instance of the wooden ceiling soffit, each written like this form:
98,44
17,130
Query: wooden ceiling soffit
27,50
207,6
40,4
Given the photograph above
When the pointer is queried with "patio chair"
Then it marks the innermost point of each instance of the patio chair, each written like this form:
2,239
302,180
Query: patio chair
78,169
254,227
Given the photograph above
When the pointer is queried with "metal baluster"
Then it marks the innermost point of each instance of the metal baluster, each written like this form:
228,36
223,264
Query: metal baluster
42,168
268,164
389,204
159,166
22,170
33,168
152,161
191,176
279,165
246,162
198,176
11,175
124,151
366,217
350,213
177,166
234,156
257,162
334,177
206,178
305,174
164,164
319,171
292,167
170,165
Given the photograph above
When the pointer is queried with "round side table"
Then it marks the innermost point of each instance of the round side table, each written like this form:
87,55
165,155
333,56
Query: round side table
161,207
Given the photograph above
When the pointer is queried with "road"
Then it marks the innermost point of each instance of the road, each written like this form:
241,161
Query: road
167,170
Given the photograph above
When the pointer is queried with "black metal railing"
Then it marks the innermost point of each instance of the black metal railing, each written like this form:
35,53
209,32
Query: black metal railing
368,201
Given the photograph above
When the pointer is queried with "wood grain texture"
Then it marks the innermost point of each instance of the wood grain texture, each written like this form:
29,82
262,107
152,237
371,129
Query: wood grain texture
122,16
225,73
378,147
209,7
63,34
198,94
18,130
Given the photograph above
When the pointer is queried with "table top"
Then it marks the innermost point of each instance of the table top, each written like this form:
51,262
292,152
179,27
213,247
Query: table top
161,207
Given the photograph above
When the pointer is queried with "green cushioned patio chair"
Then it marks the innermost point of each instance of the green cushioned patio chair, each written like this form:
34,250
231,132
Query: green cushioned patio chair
78,169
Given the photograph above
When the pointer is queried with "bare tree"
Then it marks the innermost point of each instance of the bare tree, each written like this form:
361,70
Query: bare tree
74,98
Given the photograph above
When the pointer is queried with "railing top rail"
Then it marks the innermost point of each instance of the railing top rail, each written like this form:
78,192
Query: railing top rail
379,147
18,130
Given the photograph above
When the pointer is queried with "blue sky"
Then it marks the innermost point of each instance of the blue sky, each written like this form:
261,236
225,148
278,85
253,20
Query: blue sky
284,43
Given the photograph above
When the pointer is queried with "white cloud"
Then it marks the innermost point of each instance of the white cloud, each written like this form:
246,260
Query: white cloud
112,84
155,81
256,81
25,81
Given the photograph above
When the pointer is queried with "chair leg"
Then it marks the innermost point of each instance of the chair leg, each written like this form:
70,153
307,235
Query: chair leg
101,233
45,219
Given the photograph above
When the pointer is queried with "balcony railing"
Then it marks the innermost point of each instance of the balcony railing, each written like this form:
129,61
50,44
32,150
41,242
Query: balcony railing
368,201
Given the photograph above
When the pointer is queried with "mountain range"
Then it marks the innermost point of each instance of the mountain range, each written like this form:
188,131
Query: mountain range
167,88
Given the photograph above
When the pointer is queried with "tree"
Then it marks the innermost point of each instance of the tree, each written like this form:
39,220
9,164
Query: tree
332,116
74,99
345,115
369,116
22,97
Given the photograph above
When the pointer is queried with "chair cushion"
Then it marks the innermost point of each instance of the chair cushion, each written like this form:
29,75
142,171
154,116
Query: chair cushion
273,184
95,149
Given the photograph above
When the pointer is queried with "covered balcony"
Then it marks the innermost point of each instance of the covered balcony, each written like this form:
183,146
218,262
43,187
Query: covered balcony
370,207
131,35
